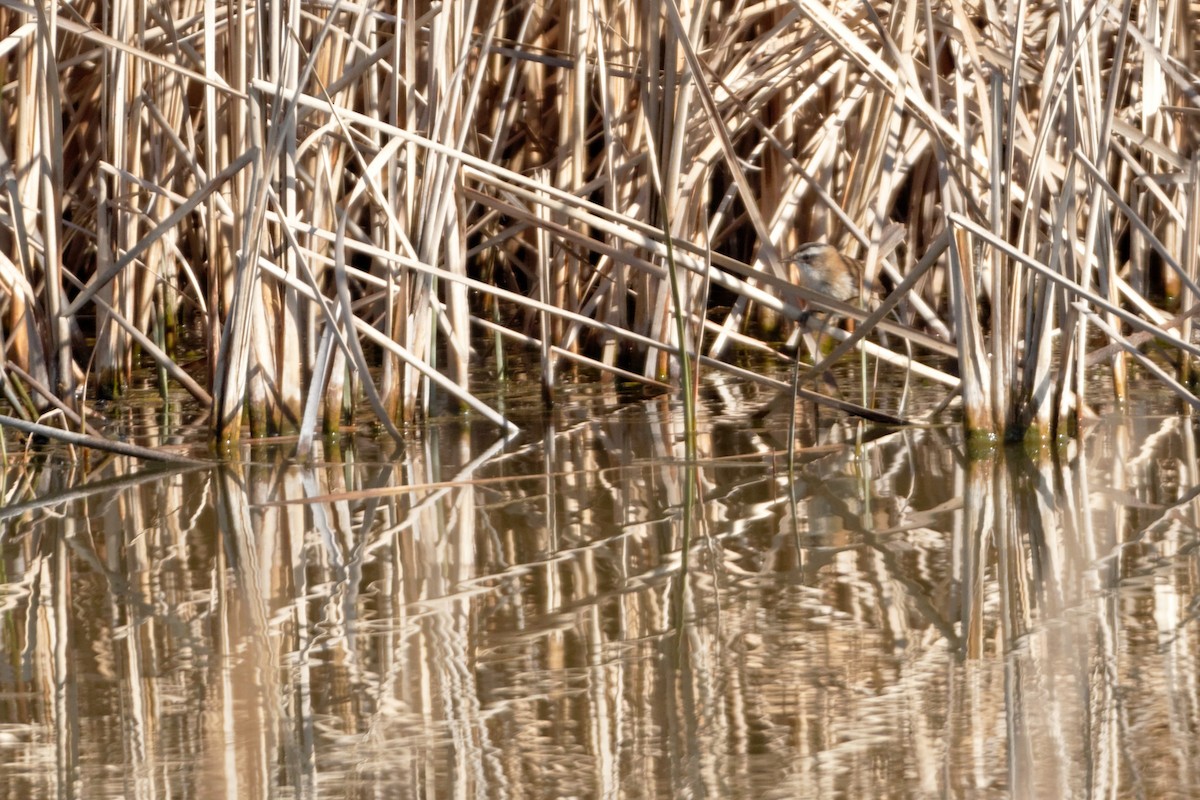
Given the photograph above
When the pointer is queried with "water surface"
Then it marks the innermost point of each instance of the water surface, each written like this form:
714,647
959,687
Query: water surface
582,613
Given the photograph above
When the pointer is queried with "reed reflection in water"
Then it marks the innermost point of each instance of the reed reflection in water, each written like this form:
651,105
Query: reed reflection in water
468,618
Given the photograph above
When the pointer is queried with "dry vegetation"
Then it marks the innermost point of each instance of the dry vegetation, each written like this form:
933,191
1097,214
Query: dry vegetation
348,201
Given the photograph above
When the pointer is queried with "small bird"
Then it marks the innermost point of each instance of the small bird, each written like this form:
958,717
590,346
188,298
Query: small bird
824,269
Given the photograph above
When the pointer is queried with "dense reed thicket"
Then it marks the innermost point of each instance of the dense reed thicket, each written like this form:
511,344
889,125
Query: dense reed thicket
339,198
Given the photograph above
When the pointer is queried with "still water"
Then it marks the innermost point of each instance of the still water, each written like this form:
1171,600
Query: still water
581,613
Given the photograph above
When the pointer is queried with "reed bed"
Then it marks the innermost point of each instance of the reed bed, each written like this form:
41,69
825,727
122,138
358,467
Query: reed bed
339,205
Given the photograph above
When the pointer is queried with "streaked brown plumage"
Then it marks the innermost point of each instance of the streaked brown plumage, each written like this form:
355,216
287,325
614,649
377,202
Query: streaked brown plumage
824,269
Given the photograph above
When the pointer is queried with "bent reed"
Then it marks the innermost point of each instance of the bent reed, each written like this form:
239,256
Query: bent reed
338,204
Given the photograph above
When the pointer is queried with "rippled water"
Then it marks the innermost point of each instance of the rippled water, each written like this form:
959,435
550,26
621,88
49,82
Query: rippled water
581,613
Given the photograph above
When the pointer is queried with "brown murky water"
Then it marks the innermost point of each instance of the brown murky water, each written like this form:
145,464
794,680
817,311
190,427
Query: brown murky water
579,613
